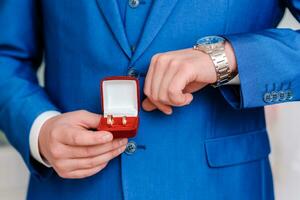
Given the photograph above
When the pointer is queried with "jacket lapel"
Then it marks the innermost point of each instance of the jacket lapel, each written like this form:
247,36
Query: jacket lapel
160,11
112,15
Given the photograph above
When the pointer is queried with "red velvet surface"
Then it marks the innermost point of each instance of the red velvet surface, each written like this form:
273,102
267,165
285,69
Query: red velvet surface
118,129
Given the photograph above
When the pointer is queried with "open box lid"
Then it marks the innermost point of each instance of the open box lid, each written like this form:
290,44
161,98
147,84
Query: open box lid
120,96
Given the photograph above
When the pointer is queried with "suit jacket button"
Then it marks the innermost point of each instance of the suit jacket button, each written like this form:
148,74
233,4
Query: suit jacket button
133,73
134,3
131,148
268,97
289,95
275,96
133,48
282,95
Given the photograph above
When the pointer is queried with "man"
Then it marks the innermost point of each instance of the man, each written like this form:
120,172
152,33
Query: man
200,142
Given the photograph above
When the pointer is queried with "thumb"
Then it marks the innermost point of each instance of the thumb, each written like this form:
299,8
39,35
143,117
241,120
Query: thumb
188,98
148,105
88,120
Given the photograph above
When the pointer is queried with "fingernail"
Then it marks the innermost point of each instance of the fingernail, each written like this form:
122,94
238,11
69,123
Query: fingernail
121,149
123,141
107,137
169,112
188,103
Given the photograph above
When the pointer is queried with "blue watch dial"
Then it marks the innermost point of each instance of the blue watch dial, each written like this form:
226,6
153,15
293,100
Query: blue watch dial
210,40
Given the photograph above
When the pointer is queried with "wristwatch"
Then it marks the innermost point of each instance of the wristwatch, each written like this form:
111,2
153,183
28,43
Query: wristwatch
215,47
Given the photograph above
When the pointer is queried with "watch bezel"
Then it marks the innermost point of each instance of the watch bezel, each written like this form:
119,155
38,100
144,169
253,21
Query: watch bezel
210,43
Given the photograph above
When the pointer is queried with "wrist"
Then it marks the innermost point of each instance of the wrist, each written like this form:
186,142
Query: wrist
222,55
35,133
231,58
43,138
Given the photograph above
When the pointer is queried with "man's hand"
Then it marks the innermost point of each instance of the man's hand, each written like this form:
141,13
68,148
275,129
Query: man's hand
173,77
68,143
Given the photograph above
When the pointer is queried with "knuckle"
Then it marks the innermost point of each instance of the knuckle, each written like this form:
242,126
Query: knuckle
155,57
76,139
81,112
171,91
162,98
162,59
62,172
109,156
87,151
58,132
154,98
55,132
177,102
91,163
113,154
116,152
114,144
56,152
174,63
103,166
58,166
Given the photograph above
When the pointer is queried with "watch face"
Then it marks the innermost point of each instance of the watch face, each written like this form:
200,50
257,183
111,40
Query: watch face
210,43
210,40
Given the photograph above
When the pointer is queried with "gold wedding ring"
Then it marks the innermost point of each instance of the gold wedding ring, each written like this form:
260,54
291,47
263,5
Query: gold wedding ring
124,120
110,120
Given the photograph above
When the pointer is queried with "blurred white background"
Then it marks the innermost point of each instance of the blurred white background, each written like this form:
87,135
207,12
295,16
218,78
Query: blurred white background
284,132
283,123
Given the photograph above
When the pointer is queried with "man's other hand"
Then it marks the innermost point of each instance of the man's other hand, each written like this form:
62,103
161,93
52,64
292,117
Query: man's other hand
173,77
73,149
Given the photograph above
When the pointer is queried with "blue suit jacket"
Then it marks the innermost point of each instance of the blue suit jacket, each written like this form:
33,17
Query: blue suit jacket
215,148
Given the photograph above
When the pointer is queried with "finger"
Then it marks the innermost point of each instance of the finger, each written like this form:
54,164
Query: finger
92,151
164,86
176,87
88,120
162,107
78,137
83,173
148,79
159,70
89,163
148,105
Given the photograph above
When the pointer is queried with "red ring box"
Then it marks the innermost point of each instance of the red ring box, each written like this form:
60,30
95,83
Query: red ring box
120,97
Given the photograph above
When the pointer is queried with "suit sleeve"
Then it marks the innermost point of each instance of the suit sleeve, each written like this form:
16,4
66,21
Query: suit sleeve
21,97
268,64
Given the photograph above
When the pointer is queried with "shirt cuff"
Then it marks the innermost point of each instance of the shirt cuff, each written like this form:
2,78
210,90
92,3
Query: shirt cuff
234,81
34,135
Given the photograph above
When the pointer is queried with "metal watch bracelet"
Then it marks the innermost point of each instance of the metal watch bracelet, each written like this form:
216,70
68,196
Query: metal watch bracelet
219,58
223,71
